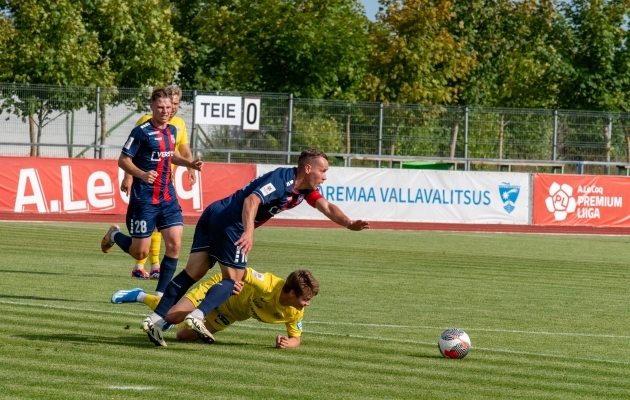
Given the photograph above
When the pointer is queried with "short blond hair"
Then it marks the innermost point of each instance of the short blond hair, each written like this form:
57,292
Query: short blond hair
174,91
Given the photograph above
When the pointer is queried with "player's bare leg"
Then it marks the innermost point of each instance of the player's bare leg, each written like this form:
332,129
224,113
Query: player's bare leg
139,248
216,296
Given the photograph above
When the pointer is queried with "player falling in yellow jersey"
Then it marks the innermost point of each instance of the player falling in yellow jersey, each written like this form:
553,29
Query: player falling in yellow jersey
263,296
182,146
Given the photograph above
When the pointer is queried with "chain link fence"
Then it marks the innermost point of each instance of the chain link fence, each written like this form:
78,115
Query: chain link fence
88,122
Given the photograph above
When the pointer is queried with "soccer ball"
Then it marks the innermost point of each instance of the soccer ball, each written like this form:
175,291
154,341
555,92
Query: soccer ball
454,343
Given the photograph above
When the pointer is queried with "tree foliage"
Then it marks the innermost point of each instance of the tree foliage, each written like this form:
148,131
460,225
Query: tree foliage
518,46
415,58
599,54
136,40
49,44
314,48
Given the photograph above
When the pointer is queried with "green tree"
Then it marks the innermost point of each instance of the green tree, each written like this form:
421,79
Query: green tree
136,39
599,54
314,49
414,57
140,45
315,130
518,46
47,44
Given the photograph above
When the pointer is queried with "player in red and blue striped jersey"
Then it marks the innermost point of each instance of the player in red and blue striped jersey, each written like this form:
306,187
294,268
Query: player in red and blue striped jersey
147,156
225,234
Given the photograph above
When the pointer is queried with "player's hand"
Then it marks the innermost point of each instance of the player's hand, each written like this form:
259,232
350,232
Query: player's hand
238,286
197,164
245,243
358,225
192,176
282,342
125,186
149,177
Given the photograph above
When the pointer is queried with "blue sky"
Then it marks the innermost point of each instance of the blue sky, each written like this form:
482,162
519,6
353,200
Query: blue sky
371,8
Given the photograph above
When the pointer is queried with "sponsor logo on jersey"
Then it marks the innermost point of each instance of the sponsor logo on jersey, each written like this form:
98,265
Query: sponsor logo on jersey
157,138
267,189
278,315
145,124
128,144
158,155
258,275
290,182
223,319
299,325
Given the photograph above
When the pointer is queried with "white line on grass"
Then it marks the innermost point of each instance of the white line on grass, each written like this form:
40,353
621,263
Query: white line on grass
386,339
472,329
349,323
132,387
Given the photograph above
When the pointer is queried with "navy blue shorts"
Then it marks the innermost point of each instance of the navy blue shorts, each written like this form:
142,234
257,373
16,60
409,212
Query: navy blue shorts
215,233
143,218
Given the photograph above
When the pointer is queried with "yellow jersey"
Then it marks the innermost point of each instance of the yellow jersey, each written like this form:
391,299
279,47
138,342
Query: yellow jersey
259,299
178,123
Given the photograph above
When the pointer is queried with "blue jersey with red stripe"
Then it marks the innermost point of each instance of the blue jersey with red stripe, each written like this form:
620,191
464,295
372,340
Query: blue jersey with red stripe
276,190
151,149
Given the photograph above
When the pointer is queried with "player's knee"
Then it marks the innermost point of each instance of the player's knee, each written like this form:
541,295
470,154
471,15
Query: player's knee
139,254
195,272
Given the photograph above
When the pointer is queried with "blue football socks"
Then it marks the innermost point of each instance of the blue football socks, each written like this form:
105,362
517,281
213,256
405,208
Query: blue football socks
217,295
174,291
167,270
123,241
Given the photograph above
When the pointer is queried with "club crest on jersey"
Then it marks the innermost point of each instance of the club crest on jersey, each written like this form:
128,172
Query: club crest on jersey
267,189
258,275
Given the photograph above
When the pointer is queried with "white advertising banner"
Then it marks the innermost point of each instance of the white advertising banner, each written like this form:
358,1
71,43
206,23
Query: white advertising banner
422,196
218,110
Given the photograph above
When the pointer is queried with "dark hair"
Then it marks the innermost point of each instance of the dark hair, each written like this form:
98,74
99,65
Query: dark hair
160,93
307,156
302,282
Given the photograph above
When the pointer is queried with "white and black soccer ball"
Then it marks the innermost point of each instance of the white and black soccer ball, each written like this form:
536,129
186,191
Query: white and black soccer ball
454,343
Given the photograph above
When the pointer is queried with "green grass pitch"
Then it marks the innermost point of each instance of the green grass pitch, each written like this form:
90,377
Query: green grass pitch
548,316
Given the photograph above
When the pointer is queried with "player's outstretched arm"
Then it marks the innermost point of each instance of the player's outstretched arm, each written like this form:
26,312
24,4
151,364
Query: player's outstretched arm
335,214
283,342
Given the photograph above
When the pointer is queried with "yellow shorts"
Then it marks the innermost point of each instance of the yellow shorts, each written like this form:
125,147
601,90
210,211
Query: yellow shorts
220,318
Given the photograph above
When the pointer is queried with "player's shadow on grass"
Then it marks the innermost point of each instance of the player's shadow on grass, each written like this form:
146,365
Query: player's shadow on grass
15,271
73,338
137,341
6,296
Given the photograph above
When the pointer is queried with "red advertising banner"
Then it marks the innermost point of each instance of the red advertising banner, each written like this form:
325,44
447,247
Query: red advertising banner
581,200
59,185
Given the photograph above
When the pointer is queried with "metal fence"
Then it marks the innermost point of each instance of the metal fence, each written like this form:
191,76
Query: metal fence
51,121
